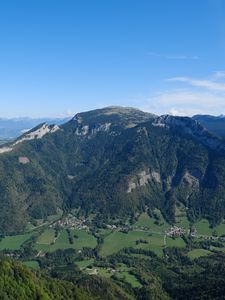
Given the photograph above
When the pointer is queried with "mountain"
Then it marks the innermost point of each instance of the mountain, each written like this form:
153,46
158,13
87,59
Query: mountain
215,124
113,162
14,127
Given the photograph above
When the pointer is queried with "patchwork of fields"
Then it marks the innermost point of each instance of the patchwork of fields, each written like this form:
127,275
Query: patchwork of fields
47,242
148,233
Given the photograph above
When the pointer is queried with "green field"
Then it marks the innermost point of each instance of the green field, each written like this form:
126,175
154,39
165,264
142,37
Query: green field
84,239
177,242
182,221
126,276
118,240
203,227
47,237
32,264
104,272
181,216
84,263
220,229
195,253
14,242
62,242
145,221
155,243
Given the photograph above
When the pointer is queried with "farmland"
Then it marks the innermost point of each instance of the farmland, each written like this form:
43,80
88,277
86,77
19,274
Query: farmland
48,243
14,242
147,233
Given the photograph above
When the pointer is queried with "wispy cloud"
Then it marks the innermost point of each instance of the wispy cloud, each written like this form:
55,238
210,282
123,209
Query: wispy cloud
219,75
197,96
206,84
184,102
175,57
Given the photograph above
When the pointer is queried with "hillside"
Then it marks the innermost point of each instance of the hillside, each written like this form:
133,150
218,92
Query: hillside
19,282
113,162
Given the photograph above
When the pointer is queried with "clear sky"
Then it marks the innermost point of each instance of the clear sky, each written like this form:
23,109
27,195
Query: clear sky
61,57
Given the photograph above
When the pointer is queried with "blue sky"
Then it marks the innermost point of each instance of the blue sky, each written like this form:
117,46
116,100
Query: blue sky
61,57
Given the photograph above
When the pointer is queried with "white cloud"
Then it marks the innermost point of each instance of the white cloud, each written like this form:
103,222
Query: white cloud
218,75
198,96
185,103
206,84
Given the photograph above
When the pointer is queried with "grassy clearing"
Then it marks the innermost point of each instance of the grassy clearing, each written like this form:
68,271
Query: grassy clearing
181,216
195,253
182,221
61,242
126,276
121,274
55,217
145,221
155,244
32,264
220,229
83,239
176,242
118,240
84,263
104,272
14,242
47,237
203,228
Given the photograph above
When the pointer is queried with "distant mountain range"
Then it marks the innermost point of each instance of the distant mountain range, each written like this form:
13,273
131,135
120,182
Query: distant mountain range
215,124
12,128
113,162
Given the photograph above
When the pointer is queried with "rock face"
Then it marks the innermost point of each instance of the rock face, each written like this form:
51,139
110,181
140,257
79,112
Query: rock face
86,130
191,180
142,179
36,133
24,160
5,149
191,127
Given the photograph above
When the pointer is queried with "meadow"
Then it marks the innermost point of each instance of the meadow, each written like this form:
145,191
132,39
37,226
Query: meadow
82,239
196,253
32,264
116,241
14,242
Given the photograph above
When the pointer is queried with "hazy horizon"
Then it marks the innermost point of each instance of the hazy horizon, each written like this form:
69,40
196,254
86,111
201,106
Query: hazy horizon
71,115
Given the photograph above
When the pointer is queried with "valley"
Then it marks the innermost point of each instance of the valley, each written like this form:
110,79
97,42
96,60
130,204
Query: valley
94,244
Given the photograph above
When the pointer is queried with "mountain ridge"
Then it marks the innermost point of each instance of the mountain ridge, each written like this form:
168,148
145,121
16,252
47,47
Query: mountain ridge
114,163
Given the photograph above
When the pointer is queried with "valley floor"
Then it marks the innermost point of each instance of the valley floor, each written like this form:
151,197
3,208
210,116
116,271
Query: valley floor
94,243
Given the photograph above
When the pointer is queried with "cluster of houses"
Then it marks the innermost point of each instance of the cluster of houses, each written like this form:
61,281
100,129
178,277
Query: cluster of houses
176,231
95,271
111,226
70,222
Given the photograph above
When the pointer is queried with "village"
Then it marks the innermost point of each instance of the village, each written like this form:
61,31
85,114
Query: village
70,222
